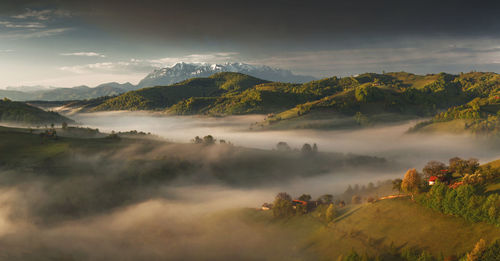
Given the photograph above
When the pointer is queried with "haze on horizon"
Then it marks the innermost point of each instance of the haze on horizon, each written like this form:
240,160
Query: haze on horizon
69,43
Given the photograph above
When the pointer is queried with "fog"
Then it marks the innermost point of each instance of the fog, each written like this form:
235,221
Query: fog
390,141
157,200
156,229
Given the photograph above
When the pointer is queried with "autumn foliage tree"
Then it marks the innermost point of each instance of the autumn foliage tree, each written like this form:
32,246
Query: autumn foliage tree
411,182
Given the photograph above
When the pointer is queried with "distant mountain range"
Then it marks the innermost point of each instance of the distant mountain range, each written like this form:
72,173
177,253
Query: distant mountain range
160,77
65,94
184,71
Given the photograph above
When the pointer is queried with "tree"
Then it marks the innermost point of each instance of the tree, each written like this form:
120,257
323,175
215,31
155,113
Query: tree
330,213
434,168
283,196
282,205
306,148
472,166
367,93
315,148
208,140
455,163
305,197
283,146
411,182
64,125
462,167
197,140
396,185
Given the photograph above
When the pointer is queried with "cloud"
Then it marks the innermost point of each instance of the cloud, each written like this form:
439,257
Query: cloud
88,54
33,33
34,24
218,57
122,67
145,65
22,24
431,57
6,51
42,15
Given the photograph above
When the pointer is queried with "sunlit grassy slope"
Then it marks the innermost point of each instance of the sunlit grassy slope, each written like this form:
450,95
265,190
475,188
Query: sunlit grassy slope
454,126
374,227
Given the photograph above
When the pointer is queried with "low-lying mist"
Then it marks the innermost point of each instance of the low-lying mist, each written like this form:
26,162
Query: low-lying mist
390,141
191,227
148,199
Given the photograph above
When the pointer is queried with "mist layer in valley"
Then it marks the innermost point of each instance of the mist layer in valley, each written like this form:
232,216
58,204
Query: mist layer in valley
391,141
168,199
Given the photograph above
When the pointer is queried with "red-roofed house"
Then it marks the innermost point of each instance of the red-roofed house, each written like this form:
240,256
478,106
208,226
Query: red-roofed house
432,180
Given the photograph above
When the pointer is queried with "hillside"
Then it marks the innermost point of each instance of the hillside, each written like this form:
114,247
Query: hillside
347,102
157,98
373,227
22,113
479,115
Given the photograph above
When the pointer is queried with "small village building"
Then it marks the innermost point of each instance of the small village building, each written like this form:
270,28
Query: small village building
441,178
432,180
297,202
266,206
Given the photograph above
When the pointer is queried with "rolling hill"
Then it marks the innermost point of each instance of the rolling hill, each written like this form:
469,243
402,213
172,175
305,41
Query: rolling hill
378,229
335,102
22,113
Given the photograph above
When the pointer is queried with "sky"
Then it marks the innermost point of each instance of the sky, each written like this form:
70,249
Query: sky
70,43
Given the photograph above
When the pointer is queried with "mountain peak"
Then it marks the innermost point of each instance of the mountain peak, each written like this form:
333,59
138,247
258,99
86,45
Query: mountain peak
182,71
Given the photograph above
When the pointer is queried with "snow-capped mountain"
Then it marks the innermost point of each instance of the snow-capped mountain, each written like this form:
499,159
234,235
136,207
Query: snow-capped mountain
183,71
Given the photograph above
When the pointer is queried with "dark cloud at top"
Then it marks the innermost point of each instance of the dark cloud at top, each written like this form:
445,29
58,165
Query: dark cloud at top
261,21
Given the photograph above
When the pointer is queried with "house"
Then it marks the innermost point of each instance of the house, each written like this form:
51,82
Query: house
441,178
432,180
310,205
297,202
266,206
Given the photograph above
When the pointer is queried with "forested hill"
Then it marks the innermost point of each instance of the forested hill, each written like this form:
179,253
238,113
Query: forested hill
363,100
22,113
161,97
